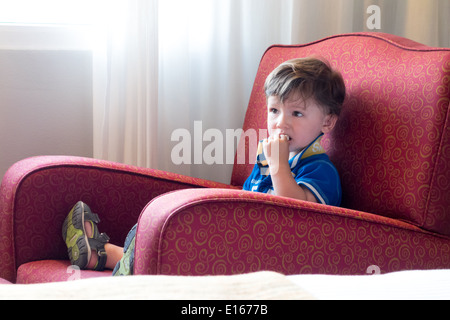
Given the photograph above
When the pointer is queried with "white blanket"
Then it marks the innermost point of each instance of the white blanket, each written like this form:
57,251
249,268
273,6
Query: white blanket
405,285
254,286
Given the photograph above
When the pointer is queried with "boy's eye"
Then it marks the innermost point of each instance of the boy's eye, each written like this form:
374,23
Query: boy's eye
297,114
273,110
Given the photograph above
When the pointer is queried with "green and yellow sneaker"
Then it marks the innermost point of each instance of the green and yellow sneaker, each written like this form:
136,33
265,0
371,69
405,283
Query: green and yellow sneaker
79,244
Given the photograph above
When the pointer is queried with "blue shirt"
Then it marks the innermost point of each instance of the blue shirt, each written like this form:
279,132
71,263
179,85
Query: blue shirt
311,168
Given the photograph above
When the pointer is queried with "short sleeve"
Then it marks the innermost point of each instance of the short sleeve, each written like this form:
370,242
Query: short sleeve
322,179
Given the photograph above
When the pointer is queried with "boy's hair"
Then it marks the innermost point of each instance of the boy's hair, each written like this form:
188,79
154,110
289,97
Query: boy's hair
312,78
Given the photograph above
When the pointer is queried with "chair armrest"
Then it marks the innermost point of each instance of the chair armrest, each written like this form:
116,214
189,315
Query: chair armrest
37,193
214,231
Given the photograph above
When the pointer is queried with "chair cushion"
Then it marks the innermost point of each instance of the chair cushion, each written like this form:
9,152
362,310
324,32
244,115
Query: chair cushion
54,271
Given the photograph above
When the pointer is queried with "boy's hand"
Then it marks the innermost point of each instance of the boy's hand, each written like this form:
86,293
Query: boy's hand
276,150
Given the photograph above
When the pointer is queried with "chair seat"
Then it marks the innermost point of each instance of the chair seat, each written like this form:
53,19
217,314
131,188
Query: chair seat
54,271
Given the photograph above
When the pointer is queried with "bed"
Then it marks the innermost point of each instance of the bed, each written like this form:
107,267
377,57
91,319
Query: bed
262,286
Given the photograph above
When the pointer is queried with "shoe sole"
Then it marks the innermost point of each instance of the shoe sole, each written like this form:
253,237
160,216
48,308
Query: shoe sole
80,251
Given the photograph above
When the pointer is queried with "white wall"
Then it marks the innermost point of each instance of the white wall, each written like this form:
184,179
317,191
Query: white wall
45,104
45,92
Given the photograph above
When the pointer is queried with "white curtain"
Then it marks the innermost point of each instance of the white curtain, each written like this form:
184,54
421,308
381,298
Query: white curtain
126,83
162,65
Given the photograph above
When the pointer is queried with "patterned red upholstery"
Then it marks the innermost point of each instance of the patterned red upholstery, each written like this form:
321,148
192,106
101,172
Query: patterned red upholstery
37,193
215,231
391,147
54,271
392,143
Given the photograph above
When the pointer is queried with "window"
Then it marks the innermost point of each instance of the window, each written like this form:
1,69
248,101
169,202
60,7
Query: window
49,12
48,24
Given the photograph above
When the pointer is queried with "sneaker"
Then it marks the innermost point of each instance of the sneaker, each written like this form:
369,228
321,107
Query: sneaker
79,244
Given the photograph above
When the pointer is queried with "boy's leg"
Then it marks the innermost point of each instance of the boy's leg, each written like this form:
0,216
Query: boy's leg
113,255
126,264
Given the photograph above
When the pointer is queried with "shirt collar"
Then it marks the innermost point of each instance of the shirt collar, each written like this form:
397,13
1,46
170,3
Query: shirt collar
314,148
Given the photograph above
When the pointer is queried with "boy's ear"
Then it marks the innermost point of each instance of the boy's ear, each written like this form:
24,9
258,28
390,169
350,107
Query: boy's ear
329,122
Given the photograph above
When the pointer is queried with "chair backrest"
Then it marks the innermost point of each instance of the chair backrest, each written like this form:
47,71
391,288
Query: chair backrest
391,144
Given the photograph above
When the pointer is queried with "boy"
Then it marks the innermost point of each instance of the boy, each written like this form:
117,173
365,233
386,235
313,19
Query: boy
304,99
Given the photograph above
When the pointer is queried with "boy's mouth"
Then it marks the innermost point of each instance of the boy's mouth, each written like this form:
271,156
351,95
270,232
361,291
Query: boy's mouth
280,134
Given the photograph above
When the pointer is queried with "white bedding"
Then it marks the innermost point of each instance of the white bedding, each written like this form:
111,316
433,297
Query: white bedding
253,286
408,285
405,285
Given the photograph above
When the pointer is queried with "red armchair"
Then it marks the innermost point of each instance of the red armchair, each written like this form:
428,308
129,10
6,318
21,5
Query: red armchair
391,147
36,194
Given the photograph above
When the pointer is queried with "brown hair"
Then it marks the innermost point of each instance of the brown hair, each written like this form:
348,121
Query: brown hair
312,78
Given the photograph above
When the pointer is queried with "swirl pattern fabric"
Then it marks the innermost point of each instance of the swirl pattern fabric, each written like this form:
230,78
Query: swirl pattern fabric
392,142
201,232
45,271
37,193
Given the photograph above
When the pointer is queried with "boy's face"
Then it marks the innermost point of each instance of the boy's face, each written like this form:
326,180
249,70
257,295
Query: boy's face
301,120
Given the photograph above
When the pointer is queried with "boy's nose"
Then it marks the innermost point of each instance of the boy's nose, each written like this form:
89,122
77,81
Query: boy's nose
282,122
